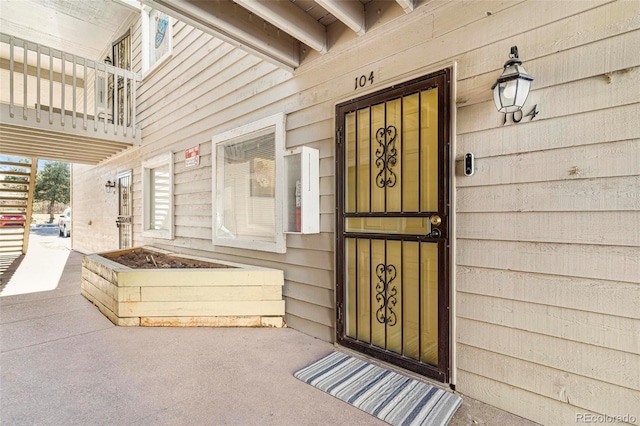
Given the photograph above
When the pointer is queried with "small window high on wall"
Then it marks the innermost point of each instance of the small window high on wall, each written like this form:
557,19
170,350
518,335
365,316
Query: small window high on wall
157,39
248,186
157,193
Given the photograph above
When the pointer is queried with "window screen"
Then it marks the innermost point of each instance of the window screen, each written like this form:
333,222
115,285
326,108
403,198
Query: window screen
159,208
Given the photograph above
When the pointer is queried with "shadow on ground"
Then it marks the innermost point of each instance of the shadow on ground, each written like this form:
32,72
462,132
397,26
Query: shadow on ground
8,266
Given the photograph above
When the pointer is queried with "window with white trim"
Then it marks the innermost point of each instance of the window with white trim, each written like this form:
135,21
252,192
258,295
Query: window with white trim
248,186
157,39
157,196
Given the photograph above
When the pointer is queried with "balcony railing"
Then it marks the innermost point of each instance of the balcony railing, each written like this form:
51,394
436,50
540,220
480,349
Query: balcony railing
48,87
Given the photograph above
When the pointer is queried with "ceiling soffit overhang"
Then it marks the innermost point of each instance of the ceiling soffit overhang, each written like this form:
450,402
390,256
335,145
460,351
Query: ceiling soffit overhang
290,19
407,5
235,25
271,30
350,13
56,145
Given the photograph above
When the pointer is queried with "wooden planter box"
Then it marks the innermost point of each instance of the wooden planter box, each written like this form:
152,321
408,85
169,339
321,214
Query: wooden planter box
235,296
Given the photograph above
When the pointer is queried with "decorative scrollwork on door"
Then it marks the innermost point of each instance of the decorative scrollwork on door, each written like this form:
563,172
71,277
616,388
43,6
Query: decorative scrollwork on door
386,294
386,156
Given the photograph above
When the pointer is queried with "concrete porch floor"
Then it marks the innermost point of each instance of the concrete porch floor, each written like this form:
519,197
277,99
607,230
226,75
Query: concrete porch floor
63,363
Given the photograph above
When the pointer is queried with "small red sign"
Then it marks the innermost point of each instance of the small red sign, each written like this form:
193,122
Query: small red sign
192,156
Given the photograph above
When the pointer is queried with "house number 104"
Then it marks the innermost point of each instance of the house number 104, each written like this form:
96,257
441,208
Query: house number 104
363,80
517,116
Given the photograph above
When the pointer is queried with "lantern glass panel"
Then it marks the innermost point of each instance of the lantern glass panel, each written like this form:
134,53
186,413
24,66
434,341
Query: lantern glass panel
523,92
509,92
496,97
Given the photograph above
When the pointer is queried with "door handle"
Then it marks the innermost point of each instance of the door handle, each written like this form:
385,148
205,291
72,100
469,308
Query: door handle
122,220
435,221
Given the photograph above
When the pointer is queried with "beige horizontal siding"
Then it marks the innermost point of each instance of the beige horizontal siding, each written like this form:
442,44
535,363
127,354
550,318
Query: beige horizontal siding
530,405
596,92
312,328
616,298
583,194
547,249
592,328
578,391
603,364
562,163
576,67
310,294
553,227
575,260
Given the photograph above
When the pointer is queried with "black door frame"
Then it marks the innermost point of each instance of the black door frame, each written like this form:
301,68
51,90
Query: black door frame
441,79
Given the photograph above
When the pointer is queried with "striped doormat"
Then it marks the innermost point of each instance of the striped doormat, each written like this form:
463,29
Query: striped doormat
392,397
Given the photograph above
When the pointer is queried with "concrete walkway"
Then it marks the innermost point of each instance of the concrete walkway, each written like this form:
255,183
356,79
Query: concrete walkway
47,256
64,363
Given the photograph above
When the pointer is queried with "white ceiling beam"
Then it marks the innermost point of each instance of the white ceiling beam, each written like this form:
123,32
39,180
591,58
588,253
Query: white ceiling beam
133,5
407,5
235,25
350,13
290,19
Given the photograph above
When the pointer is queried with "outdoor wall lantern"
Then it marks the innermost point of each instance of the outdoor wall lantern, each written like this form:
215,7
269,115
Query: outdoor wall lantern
511,89
110,187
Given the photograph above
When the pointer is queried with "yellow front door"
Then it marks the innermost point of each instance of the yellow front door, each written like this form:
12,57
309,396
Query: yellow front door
392,198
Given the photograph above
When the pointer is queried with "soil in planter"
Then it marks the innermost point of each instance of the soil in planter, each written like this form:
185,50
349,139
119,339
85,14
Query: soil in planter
144,259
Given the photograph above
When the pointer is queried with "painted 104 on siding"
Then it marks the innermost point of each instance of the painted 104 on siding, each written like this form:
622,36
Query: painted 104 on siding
363,80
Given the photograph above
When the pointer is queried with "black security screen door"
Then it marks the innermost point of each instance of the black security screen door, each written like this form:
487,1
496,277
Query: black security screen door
392,189
123,222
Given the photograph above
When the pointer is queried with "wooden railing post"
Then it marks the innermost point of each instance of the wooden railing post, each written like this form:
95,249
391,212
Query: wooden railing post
50,86
38,77
84,90
25,72
63,83
74,109
11,84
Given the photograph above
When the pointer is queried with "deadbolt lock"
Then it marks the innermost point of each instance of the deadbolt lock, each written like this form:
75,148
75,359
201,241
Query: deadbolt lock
435,220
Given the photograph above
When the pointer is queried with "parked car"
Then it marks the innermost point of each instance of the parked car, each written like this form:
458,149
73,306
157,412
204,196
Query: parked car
12,219
64,223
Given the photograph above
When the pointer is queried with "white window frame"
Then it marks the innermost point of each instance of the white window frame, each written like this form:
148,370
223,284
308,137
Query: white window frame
148,69
277,122
147,166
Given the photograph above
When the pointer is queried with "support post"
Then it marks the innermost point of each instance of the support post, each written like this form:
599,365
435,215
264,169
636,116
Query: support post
27,222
